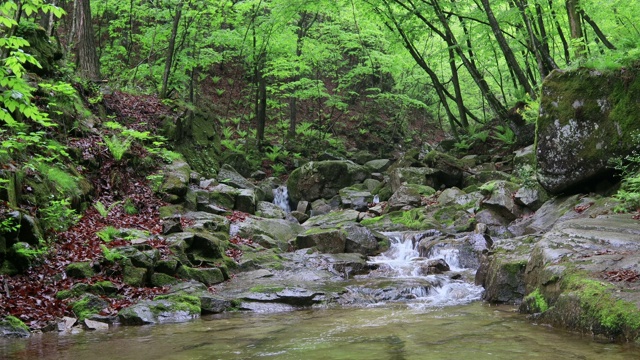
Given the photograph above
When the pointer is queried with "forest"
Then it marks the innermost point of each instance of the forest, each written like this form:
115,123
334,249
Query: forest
95,94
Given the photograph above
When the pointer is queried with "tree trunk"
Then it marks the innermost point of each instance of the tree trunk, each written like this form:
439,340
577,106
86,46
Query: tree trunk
575,26
87,58
506,50
170,50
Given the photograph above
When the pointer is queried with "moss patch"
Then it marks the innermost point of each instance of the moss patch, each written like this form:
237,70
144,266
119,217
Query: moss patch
179,302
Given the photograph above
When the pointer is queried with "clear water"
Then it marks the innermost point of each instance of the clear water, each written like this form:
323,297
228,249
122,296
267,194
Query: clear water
281,198
475,331
444,321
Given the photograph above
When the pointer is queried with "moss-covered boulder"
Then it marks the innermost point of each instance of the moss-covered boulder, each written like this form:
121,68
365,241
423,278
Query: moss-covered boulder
323,179
207,276
331,241
175,181
88,305
12,327
45,49
80,270
586,271
414,176
586,118
409,196
162,309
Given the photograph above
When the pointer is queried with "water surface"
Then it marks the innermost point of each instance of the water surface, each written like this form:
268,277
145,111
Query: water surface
475,331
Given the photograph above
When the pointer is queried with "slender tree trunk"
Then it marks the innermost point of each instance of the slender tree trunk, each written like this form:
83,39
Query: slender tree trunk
509,56
87,58
575,25
563,39
457,90
170,51
597,30
476,75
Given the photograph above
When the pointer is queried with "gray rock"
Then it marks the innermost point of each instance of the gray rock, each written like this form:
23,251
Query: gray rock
362,240
409,195
414,175
13,328
176,178
167,310
356,199
501,200
228,175
333,219
323,179
246,201
331,241
269,210
378,165
579,131
277,229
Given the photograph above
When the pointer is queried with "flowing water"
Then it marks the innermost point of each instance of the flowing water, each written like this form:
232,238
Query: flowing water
439,319
281,198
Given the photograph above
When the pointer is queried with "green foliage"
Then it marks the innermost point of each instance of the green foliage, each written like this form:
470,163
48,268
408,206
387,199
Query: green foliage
129,207
537,301
505,135
104,210
58,215
156,181
117,146
109,233
64,183
30,253
629,168
109,255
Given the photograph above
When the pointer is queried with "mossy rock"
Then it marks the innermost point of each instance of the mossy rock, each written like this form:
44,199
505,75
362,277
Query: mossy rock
414,219
134,276
207,276
12,327
160,280
88,305
323,179
587,117
80,270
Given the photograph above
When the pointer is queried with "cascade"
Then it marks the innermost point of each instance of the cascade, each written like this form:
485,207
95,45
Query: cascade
281,198
403,262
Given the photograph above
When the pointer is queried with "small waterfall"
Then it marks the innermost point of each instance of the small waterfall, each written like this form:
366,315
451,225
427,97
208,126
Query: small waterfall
403,262
281,198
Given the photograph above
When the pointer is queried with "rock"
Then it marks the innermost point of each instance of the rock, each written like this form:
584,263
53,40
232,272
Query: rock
163,309
303,206
501,199
524,156
320,207
371,184
362,240
496,223
333,219
408,196
207,276
279,230
221,195
214,305
450,170
176,178
450,196
80,270
238,162
246,201
354,198
502,276
269,210
229,176
332,241
258,175
94,325
12,327
362,156
209,222
300,217
415,176
579,131
88,305
323,179
378,165
435,266
66,323
171,225
585,270
532,198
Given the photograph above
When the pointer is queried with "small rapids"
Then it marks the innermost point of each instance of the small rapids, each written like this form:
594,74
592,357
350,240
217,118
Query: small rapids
402,274
281,198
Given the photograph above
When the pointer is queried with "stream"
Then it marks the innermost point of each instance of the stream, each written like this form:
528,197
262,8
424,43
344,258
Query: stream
415,315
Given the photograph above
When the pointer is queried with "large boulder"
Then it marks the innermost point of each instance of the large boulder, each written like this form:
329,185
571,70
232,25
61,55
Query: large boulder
587,117
323,179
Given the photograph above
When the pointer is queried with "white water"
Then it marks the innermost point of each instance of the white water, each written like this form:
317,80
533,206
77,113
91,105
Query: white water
281,198
403,261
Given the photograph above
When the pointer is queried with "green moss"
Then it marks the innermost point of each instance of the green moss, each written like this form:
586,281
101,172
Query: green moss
179,302
617,316
515,268
15,323
80,270
266,289
536,301
87,306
